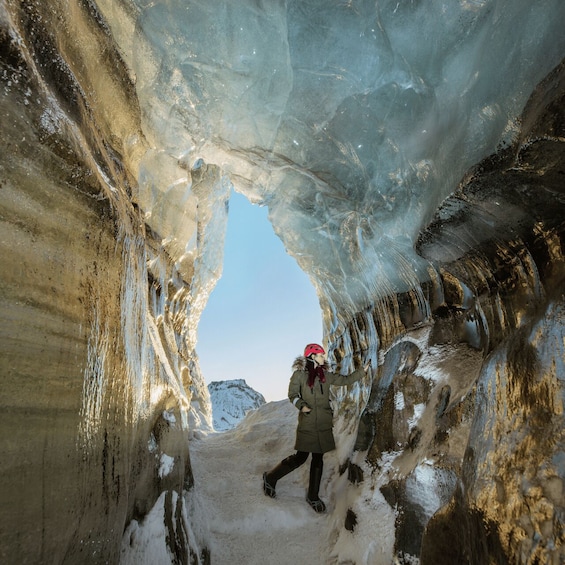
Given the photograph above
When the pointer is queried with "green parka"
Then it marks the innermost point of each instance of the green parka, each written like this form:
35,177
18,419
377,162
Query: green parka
314,432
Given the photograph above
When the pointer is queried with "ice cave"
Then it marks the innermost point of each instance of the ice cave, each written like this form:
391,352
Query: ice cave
411,154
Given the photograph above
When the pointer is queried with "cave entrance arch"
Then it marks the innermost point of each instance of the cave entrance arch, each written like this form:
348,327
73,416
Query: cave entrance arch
262,311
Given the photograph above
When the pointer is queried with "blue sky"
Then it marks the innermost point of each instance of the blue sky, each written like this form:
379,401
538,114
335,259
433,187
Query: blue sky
263,311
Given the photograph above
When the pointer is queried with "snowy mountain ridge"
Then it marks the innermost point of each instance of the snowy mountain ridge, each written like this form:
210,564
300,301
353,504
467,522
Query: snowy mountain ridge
231,401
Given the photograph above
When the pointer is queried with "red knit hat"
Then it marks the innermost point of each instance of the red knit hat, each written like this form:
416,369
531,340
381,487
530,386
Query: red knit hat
313,348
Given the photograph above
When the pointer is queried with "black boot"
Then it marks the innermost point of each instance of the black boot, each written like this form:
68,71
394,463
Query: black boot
285,467
316,470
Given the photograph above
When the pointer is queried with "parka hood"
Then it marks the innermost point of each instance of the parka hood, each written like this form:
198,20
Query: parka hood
299,363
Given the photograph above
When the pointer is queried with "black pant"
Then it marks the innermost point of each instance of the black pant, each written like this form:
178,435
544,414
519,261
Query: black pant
292,462
299,458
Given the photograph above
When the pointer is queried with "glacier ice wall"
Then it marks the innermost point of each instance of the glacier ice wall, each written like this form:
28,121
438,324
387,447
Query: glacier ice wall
99,379
471,397
407,167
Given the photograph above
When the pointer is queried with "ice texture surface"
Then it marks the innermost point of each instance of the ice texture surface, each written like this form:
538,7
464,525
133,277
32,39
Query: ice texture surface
366,113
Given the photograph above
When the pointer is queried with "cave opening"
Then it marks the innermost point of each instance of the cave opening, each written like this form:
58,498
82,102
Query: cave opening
262,311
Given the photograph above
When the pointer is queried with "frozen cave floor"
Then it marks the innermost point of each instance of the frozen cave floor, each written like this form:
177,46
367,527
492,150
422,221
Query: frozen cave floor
245,525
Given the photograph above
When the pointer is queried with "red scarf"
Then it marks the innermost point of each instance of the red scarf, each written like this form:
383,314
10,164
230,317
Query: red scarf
317,372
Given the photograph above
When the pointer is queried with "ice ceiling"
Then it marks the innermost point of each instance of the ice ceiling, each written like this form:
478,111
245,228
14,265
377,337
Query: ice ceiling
350,120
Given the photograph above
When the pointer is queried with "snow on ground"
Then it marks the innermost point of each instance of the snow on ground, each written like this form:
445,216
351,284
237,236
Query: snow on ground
248,528
228,512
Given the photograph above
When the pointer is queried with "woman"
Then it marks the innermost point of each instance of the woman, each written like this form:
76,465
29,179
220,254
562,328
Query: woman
309,392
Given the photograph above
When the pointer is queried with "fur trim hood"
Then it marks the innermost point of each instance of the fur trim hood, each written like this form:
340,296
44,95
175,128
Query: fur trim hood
300,364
